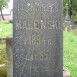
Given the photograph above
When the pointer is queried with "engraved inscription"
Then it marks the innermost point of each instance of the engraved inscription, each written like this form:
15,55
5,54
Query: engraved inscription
34,40
49,41
37,25
34,7
40,55
38,40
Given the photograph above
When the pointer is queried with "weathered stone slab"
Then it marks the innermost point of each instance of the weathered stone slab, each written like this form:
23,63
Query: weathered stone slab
37,43
9,57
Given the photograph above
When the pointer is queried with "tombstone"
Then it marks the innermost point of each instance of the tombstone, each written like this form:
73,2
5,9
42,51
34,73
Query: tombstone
68,22
37,38
9,57
9,43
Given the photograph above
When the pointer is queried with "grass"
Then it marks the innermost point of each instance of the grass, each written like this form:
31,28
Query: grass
70,52
3,72
5,29
70,49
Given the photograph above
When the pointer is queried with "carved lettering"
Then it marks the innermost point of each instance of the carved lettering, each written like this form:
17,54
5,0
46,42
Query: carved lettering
39,7
38,40
49,42
18,25
33,40
38,56
36,24
42,24
51,24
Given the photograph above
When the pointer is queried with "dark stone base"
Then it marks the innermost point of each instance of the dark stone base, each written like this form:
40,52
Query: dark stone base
66,73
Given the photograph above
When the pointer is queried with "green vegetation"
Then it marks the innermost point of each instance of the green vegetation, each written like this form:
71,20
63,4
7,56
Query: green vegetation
5,29
3,72
72,5
70,52
3,3
10,21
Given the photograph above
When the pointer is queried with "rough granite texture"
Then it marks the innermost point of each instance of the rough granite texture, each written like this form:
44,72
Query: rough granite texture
38,38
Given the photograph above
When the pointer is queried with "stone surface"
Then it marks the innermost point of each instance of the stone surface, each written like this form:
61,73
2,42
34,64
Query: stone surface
9,57
68,23
38,37
66,73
